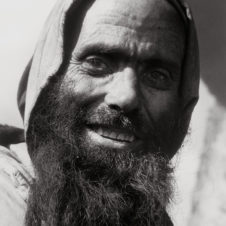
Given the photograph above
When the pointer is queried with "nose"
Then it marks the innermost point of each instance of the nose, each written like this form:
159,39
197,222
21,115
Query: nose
122,93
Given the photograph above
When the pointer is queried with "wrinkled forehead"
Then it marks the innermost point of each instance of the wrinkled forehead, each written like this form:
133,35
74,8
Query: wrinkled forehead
142,29
139,15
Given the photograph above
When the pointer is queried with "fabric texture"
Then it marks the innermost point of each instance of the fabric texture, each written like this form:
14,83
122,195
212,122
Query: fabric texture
15,179
10,135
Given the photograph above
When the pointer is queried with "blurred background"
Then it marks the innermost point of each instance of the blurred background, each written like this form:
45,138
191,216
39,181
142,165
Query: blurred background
200,184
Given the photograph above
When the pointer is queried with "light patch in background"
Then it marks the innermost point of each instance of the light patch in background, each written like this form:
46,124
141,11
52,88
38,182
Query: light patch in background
20,26
187,161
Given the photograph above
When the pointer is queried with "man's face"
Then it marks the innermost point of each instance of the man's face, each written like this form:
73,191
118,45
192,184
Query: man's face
128,61
97,133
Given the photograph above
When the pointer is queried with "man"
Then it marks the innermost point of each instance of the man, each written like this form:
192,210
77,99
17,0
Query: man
109,95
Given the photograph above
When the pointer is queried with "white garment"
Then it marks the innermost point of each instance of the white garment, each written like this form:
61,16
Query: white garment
15,179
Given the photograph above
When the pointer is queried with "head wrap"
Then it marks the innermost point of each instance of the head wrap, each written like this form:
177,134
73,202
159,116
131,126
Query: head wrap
53,50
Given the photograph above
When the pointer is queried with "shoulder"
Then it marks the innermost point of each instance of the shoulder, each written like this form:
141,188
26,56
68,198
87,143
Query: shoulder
15,180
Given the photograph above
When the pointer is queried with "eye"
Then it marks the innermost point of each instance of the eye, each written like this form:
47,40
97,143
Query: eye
157,78
96,65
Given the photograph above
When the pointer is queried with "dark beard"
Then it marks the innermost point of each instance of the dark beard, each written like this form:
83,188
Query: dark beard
77,184
73,191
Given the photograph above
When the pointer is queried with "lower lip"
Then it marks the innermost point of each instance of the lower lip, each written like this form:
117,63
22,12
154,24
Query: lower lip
110,143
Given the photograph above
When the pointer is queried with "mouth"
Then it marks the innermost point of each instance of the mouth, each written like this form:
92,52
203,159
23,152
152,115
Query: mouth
113,137
115,134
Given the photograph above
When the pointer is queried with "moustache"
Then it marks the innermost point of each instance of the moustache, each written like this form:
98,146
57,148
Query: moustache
111,118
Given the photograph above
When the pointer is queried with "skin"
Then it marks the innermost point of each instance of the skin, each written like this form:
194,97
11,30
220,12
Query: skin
128,58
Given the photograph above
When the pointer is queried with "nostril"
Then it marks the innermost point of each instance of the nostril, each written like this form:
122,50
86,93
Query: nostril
115,107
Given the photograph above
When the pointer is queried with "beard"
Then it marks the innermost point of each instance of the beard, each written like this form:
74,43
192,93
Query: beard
78,183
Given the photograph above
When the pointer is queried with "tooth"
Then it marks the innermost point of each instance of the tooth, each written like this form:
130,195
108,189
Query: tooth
132,138
125,137
100,131
121,137
106,133
113,135
128,138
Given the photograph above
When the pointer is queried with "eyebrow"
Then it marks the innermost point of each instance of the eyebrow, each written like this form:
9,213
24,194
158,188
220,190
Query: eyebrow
164,63
101,48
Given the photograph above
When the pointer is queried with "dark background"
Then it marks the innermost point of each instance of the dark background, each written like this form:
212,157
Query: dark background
210,17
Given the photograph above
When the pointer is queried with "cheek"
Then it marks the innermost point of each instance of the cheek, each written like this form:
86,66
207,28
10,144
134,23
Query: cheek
76,85
82,85
160,103
162,109
79,85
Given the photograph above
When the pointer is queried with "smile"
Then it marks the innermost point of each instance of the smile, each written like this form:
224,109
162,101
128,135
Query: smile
115,135
112,137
